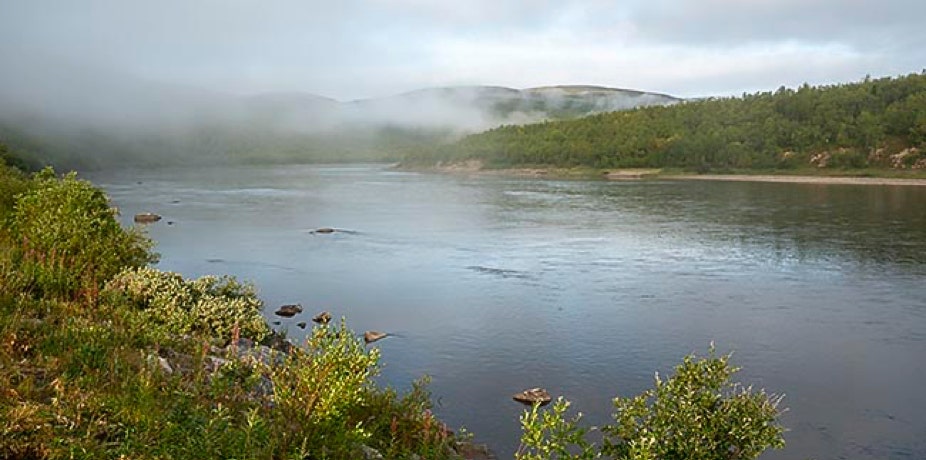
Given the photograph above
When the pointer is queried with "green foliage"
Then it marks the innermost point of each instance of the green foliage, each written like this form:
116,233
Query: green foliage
325,391
86,383
316,389
406,424
64,241
696,414
548,435
12,184
9,159
766,130
213,305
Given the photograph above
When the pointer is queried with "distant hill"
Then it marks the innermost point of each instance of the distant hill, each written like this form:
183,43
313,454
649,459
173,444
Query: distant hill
76,116
483,107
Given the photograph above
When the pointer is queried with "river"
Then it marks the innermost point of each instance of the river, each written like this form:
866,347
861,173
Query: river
491,285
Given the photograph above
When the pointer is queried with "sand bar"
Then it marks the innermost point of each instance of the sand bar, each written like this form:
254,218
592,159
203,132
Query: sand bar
800,179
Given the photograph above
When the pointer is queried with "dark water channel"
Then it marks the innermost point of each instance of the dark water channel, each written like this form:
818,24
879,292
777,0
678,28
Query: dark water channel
492,285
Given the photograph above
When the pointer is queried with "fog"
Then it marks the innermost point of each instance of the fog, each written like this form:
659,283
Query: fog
72,114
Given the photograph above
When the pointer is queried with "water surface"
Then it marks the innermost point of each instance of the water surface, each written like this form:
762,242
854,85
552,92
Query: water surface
492,285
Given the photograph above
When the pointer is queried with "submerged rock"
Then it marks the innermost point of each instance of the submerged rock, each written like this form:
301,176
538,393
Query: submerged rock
324,230
322,318
147,218
533,396
372,336
288,311
301,324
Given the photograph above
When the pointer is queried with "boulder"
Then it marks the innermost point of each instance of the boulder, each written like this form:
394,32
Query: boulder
372,336
147,218
288,311
533,396
322,318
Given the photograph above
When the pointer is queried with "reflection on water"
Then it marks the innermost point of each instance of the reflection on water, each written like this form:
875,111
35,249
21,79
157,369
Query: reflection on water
493,285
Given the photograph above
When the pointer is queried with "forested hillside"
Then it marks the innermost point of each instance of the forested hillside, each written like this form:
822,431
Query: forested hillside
875,123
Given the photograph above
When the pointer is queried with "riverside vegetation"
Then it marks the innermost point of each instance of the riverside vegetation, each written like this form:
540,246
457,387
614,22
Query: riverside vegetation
872,127
102,356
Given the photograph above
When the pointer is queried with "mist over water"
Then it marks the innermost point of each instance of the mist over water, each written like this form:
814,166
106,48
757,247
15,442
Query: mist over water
79,115
493,285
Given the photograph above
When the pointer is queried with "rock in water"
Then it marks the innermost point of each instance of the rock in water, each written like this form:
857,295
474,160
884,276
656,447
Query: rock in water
372,336
301,324
533,396
289,311
324,230
147,218
322,318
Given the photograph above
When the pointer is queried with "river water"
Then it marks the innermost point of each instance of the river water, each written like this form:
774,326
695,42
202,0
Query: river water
492,285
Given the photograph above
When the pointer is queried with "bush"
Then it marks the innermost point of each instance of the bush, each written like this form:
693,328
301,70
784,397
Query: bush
696,414
317,387
64,239
8,158
327,405
211,305
12,183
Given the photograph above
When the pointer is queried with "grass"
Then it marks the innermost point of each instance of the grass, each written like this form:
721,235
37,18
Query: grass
86,381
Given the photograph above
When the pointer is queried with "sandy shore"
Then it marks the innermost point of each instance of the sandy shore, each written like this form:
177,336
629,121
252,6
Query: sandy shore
801,179
475,168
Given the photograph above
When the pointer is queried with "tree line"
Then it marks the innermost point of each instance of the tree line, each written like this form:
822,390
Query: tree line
874,123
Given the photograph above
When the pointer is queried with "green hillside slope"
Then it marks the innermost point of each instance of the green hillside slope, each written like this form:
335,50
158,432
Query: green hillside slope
875,123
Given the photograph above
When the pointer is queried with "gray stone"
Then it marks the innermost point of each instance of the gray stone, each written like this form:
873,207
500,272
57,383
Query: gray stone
370,453
165,366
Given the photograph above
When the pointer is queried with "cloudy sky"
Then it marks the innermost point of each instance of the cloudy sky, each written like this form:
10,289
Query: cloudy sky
348,49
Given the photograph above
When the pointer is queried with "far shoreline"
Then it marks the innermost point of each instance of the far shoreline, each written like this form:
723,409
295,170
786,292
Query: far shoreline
792,179
476,168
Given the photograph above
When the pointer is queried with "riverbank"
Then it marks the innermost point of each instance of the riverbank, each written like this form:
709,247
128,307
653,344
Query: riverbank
793,179
860,177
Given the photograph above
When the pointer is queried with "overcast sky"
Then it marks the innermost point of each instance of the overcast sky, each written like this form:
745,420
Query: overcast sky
349,49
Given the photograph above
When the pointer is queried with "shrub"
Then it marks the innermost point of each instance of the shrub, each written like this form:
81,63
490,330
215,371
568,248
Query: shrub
210,304
549,434
317,388
12,184
8,158
696,414
404,423
65,240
